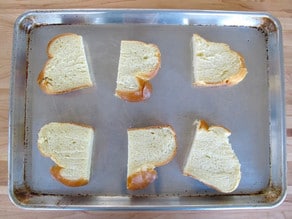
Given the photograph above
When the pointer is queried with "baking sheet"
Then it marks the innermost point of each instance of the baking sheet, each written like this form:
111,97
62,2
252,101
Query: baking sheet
253,110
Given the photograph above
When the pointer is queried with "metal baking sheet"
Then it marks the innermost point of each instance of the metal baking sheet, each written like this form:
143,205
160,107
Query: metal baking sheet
253,110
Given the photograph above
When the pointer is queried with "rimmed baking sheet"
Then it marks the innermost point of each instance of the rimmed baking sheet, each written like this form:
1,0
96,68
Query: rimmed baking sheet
253,110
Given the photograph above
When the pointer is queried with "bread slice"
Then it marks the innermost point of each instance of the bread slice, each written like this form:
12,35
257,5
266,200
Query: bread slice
70,147
139,62
66,69
148,148
211,159
215,64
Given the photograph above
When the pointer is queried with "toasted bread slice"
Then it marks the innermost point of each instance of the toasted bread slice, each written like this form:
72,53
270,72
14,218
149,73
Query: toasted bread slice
67,68
139,62
211,159
148,148
70,147
215,64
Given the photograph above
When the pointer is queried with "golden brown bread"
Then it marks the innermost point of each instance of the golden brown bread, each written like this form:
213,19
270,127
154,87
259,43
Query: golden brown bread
138,63
56,173
69,145
211,158
148,147
142,93
216,64
141,179
66,69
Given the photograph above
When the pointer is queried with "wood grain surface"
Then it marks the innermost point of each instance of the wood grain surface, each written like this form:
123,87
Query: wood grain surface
9,10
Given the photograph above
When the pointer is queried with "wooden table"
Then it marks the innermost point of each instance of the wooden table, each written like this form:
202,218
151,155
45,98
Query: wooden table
9,10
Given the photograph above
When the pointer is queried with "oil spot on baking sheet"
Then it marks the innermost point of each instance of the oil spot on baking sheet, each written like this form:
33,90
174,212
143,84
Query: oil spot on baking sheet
268,25
272,194
23,194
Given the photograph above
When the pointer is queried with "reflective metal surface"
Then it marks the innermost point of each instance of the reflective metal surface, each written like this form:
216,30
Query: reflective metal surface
253,110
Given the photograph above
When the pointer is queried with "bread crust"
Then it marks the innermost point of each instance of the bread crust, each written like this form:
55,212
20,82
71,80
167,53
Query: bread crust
203,125
56,173
232,80
44,85
44,82
57,37
212,186
147,173
144,90
151,74
56,170
141,179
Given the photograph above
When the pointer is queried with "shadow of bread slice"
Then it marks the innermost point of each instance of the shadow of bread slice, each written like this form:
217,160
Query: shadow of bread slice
148,148
70,147
211,158
215,64
138,63
67,68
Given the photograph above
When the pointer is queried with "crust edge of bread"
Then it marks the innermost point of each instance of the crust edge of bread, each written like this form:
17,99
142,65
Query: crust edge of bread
144,90
56,173
56,169
214,187
149,169
43,82
231,81
202,124
141,179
